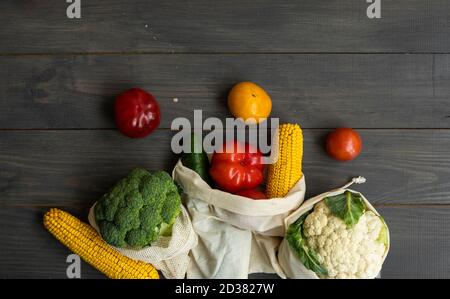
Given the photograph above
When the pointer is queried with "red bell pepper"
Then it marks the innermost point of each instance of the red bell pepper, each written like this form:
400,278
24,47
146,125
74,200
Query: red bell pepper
237,168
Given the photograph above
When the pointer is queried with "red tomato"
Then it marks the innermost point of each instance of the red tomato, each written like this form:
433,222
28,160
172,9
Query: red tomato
239,167
252,193
137,113
344,144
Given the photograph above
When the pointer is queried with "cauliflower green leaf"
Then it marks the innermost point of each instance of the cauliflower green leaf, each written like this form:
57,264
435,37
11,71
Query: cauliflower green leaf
348,206
383,236
308,257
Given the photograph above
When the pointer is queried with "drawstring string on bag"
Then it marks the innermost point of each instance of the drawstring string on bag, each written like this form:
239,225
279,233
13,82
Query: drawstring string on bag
357,180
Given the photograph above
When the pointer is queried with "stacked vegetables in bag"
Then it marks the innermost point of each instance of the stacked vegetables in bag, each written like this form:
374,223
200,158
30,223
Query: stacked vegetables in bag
335,235
249,231
132,220
238,167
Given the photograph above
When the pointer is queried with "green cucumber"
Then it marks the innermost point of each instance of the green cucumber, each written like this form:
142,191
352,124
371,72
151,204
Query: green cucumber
197,160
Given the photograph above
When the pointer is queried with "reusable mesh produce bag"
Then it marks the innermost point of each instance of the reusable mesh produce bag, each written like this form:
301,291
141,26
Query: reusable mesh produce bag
237,236
291,265
170,255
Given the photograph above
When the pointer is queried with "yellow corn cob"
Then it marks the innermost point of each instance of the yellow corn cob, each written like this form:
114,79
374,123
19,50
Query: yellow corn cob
84,240
287,170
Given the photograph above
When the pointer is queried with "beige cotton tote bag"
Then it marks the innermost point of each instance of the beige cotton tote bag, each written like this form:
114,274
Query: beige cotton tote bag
237,235
288,260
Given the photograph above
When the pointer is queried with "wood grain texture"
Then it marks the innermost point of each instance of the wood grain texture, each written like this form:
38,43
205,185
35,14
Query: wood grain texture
29,251
419,247
420,242
230,26
324,63
319,91
74,168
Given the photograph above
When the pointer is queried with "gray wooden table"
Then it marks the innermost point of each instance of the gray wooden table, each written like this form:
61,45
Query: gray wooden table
325,64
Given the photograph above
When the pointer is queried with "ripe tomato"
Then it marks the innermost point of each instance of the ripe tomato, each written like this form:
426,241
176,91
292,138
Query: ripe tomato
344,144
252,193
238,167
137,113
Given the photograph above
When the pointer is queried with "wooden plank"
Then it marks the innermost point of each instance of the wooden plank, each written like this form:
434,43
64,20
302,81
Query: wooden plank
227,26
320,91
29,251
84,163
74,168
419,244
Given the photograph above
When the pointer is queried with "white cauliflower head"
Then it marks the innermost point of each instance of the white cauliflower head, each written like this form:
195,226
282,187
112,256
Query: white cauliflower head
345,252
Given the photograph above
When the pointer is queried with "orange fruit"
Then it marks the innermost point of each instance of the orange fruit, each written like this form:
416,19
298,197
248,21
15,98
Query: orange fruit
250,102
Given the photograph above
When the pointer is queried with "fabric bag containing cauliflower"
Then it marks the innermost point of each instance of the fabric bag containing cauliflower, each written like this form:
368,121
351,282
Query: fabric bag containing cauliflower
338,234
237,236
142,217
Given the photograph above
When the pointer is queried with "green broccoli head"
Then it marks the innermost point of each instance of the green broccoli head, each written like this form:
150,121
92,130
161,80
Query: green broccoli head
138,209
